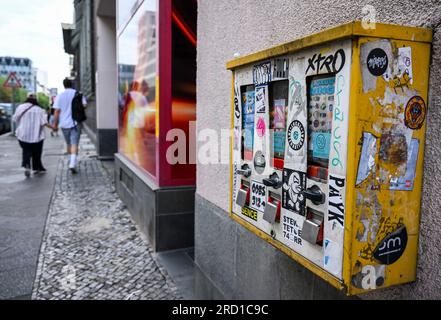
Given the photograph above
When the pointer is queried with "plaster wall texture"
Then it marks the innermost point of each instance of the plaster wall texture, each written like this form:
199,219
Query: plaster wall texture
246,26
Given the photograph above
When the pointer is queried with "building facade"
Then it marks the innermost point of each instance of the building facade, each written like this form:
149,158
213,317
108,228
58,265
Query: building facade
22,68
146,82
156,45
90,41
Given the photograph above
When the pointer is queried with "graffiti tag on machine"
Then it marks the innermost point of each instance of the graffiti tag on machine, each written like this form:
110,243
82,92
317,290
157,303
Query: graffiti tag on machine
392,247
250,213
332,63
415,113
377,62
336,202
294,182
262,73
258,196
237,112
296,135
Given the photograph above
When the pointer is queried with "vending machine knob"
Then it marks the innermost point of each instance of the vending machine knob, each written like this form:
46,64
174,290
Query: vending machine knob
245,171
274,181
314,194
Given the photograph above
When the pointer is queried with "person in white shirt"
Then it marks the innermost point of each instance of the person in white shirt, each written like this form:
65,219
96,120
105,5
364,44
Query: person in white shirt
31,120
63,119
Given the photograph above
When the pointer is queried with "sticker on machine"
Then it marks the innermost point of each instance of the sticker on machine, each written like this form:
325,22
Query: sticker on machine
249,213
258,196
332,261
296,135
292,231
415,113
377,62
262,73
261,99
392,247
405,63
336,204
294,182
406,182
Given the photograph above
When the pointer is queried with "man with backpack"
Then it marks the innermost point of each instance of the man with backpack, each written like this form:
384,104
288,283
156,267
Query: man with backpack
69,115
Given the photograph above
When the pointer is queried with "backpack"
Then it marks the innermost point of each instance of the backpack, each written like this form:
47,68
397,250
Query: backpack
78,110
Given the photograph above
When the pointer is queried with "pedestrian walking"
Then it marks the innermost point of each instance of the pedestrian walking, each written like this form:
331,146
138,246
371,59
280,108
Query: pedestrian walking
31,120
66,118
51,116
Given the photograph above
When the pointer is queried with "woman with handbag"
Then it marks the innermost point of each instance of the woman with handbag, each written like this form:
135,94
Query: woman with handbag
31,120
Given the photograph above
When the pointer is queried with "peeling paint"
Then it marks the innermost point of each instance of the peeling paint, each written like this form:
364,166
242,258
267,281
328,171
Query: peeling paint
370,277
368,155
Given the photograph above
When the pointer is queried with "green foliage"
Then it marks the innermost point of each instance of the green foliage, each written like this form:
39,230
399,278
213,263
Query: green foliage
21,95
6,94
43,100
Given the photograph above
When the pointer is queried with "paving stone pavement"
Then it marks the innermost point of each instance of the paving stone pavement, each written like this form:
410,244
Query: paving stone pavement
91,248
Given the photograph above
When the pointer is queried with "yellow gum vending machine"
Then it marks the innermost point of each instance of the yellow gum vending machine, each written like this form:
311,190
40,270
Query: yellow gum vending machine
328,149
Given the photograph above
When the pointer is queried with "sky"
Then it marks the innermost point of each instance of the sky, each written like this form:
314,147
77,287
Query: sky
32,29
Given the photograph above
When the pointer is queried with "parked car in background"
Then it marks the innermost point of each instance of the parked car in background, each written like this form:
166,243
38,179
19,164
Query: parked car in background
5,121
8,108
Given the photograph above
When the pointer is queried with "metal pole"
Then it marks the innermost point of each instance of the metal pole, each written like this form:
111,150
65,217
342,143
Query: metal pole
13,112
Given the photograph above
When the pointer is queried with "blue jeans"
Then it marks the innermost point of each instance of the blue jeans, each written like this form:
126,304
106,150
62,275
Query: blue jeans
72,135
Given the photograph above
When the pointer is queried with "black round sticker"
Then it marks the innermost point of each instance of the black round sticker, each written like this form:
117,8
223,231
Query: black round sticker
377,62
296,135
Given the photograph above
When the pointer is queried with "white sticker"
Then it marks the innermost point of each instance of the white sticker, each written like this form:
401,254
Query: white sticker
405,62
332,257
260,104
258,196
336,205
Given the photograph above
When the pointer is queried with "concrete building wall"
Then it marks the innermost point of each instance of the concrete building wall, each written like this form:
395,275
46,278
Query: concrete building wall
246,26
106,79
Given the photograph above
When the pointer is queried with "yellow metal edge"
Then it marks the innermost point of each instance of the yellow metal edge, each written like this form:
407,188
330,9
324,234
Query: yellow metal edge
232,141
394,31
351,29
293,255
331,34
352,166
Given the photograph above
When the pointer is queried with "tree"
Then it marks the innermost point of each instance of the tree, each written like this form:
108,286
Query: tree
43,100
6,94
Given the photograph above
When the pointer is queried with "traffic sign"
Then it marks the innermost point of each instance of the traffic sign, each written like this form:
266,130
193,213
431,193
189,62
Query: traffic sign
12,81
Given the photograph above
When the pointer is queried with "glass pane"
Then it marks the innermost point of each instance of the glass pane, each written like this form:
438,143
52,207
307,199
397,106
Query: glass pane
248,101
137,62
184,21
320,112
278,117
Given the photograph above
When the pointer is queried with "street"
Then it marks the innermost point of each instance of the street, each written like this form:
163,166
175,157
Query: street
23,212
90,248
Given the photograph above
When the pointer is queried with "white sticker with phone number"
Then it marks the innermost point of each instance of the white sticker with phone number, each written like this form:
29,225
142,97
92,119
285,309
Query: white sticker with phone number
258,196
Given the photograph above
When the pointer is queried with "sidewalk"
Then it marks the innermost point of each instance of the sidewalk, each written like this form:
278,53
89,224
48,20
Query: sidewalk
24,205
91,248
